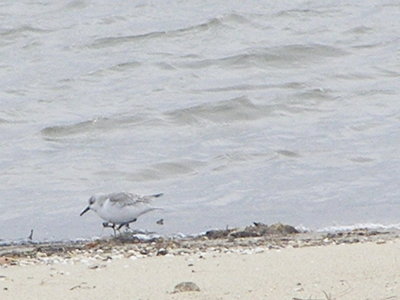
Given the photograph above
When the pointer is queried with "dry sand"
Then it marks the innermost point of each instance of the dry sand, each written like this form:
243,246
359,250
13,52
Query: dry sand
248,269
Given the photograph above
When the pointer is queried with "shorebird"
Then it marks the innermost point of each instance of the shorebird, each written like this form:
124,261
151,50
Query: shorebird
120,209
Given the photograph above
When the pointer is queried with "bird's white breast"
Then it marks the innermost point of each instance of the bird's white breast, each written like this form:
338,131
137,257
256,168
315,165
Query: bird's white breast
115,213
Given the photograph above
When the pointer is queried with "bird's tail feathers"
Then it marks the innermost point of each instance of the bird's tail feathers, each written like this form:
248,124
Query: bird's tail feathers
156,195
149,198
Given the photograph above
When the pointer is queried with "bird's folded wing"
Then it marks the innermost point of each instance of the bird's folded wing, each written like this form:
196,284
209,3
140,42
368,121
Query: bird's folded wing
125,199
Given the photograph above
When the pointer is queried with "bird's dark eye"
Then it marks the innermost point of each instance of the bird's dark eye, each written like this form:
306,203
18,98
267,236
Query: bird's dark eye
91,200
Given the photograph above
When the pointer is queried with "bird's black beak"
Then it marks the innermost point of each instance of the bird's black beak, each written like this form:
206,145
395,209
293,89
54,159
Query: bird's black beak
85,210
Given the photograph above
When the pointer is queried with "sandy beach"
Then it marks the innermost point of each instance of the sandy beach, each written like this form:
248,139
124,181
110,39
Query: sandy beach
354,265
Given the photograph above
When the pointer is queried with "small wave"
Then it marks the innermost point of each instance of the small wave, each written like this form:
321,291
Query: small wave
298,53
369,45
297,13
188,167
387,72
160,171
77,4
58,131
359,30
235,18
21,30
362,159
316,94
120,67
165,66
88,126
126,65
359,226
226,111
288,153
236,109
229,160
284,56
355,76
167,169
254,87
239,157
238,87
113,41
12,121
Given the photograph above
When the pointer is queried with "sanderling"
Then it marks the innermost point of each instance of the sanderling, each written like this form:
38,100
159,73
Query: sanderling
120,209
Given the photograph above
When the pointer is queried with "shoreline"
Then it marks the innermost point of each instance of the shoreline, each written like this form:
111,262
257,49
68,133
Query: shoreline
275,236
256,262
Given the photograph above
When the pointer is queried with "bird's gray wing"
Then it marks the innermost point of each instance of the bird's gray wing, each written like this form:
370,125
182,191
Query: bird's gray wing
126,199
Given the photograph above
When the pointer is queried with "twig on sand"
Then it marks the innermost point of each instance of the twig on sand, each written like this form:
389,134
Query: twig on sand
295,298
327,297
83,285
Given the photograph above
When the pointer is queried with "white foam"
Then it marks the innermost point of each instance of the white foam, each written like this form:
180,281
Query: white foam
359,226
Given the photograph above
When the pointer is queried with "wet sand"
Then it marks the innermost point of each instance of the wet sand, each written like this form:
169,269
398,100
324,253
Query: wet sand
360,264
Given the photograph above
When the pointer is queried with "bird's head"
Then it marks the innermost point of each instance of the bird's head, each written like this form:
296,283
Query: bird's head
93,204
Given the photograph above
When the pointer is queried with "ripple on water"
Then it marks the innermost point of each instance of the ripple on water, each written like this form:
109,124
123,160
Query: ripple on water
97,124
232,110
286,56
119,40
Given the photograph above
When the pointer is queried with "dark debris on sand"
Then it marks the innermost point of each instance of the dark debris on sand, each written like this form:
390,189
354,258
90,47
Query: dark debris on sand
256,230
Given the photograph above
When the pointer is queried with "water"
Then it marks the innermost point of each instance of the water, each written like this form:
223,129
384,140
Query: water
237,111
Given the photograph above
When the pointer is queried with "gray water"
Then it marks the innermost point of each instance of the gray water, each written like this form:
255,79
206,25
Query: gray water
238,111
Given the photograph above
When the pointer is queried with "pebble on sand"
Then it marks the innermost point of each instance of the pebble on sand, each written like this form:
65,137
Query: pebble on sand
187,286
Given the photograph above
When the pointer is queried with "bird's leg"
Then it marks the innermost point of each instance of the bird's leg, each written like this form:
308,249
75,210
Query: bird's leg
121,225
106,225
110,225
113,227
126,224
